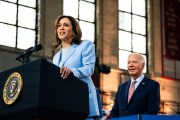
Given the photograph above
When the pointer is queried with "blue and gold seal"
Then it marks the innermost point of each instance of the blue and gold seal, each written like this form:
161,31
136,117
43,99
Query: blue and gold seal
12,88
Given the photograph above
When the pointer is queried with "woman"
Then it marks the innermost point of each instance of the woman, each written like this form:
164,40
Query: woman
75,57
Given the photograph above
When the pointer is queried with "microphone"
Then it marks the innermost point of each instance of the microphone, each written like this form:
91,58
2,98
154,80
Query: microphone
25,55
33,49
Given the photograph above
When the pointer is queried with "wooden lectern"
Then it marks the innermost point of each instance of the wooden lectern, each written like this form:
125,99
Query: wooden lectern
41,94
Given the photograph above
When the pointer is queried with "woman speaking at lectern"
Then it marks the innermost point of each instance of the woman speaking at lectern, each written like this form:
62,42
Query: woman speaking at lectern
76,56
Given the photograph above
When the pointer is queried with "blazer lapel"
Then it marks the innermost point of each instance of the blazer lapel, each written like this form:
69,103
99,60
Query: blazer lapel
71,50
57,59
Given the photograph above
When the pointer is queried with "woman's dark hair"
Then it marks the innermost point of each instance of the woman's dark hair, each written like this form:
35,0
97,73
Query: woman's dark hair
76,29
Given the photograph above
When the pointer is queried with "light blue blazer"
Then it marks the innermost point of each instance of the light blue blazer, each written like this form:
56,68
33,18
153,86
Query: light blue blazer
81,60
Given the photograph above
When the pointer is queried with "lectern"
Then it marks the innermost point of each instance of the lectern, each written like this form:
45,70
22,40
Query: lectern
36,91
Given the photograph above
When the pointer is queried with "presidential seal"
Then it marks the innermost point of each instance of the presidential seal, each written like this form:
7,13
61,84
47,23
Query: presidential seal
12,88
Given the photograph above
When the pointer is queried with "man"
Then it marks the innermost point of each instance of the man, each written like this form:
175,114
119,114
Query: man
145,98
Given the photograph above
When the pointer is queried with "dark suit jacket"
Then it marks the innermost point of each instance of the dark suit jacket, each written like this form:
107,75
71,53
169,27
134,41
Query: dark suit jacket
145,99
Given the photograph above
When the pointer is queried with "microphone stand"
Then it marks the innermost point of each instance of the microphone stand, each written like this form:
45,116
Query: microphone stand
24,59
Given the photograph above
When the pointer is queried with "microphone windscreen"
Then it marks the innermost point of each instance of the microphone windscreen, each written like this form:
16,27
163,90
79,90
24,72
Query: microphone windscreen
39,47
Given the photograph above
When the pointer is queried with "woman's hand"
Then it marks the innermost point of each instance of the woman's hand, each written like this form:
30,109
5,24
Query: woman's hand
64,71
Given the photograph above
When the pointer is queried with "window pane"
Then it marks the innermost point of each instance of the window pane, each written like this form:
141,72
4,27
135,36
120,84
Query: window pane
26,38
87,30
138,7
124,40
71,8
8,15
8,35
27,17
125,21
90,11
30,3
138,25
139,43
123,58
125,5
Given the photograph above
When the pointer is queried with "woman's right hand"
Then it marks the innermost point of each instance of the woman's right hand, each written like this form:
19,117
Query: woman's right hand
65,72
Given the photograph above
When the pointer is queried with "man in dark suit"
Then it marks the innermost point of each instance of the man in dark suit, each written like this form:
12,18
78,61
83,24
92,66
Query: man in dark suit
145,98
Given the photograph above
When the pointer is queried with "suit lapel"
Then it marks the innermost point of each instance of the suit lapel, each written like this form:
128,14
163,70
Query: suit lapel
139,88
127,91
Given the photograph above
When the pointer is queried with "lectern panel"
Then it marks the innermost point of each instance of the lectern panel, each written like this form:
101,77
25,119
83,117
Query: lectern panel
44,94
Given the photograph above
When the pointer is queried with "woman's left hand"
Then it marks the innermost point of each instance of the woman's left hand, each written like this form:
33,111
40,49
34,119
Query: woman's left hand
64,71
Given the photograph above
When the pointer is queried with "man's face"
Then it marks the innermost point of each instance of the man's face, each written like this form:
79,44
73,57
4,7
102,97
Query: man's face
135,65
